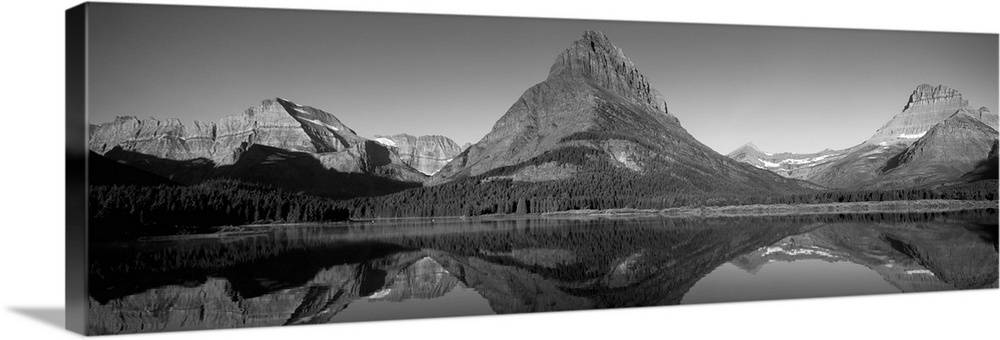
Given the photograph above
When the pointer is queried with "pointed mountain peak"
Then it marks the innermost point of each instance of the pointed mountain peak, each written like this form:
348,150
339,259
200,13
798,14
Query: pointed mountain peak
750,145
597,39
744,149
593,58
579,58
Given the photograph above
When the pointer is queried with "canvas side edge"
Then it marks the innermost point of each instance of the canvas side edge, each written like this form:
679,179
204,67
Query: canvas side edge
76,169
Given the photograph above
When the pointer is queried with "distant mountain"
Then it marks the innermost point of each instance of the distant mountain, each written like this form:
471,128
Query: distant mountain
266,143
792,165
947,151
927,106
596,113
427,154
876,163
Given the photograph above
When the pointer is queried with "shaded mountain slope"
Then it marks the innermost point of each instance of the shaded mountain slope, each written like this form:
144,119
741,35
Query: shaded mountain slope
104,171
987,169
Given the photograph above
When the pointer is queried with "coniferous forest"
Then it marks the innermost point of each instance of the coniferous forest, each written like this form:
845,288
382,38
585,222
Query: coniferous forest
130,210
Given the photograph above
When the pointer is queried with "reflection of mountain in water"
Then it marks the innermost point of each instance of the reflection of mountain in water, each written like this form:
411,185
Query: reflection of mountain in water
307,276
424,279
870,247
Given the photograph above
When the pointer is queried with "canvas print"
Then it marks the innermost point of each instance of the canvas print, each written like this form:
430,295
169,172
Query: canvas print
263,167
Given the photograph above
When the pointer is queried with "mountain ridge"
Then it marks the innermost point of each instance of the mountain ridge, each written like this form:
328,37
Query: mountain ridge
427,153
272,135
862,164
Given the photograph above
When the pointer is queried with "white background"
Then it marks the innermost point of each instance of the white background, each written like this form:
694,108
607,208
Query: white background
32,163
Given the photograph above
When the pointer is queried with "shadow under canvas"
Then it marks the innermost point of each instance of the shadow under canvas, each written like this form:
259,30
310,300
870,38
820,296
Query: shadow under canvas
54,316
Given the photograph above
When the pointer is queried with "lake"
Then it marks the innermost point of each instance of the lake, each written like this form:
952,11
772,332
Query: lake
362,271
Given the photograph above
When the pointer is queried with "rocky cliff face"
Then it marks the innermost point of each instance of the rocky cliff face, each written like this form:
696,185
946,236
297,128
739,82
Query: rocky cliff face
265,143
927,106
274,122
595,112
594,58
161,138
427,154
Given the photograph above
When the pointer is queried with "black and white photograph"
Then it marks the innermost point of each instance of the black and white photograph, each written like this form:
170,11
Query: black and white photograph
241,169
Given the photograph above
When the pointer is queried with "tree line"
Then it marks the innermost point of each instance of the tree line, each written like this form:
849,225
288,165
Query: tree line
484,196
168,209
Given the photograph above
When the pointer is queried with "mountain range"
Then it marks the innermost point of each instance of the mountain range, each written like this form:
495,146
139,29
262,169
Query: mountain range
594,133
427,154
278,142
937,138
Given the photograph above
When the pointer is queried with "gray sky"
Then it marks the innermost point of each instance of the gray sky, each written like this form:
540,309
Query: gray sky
785,89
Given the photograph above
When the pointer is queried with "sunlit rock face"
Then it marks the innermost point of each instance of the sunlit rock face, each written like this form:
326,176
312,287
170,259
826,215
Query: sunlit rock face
161,138
274,122
927,106
427,154
594,58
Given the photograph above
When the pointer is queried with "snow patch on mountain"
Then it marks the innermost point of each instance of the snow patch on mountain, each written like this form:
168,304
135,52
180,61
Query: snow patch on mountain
769,164
320,123
912,136
387,142
796,161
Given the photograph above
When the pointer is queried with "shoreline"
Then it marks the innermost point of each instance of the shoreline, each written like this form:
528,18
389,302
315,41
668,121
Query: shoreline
917,206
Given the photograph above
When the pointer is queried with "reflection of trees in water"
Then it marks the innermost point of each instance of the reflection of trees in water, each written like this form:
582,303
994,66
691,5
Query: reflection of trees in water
525,265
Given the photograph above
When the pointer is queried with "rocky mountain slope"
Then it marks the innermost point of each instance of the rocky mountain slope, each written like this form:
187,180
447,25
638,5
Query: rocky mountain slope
927,106
947,151
427,154
265,143
876,162
596,113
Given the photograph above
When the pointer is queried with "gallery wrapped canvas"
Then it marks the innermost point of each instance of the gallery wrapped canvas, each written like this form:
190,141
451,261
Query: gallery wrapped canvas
241,167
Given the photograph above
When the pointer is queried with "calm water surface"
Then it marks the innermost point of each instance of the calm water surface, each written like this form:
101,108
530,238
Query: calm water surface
379,271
